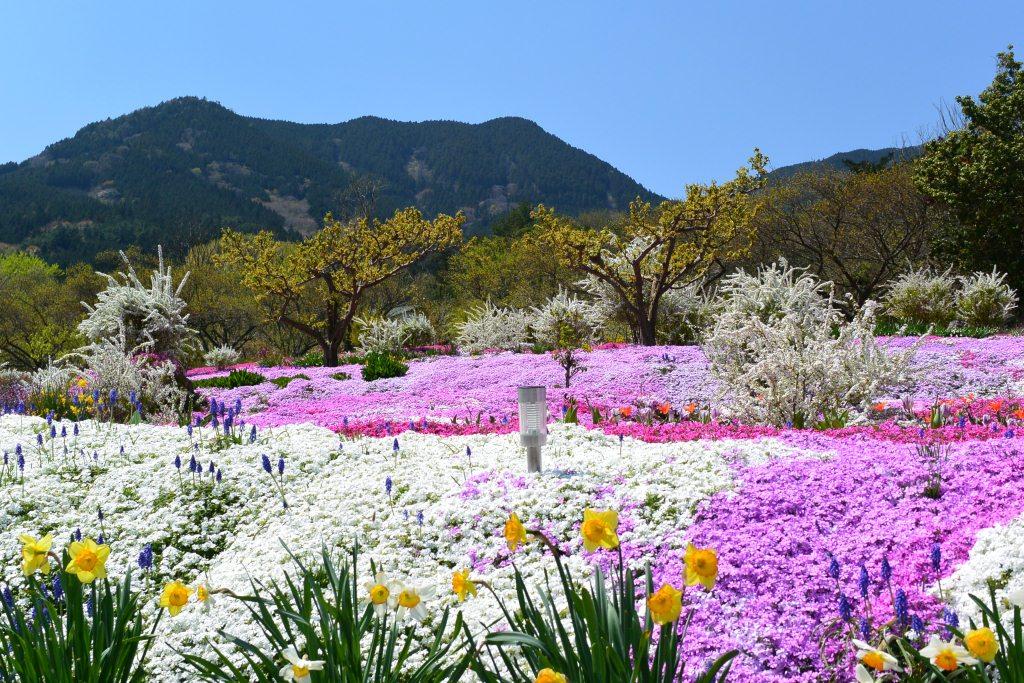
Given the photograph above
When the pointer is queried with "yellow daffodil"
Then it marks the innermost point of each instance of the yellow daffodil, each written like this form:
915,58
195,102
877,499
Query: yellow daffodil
175,597
34,554
981,643
701,566
665,605
408,601
874,658
378,592
462,585
204,597
947,656
298,667
599,529
549,676
515,532
88,560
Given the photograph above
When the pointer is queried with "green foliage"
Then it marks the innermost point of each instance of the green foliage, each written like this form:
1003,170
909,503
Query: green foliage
318,608
599,636
282,382
313,359
234,379
382,366
43,639
341,376
977,171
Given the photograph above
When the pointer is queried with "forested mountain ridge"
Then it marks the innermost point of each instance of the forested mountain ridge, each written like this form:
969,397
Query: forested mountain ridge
842,161
178,172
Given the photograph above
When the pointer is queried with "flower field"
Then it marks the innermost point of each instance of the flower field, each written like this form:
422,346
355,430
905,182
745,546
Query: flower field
817,532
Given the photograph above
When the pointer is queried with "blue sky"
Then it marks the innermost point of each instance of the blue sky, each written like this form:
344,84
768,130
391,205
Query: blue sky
669,92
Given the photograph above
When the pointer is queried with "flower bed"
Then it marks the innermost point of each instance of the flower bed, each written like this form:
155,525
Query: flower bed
462,395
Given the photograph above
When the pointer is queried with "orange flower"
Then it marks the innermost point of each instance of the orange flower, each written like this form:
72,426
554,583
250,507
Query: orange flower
664,408
691,408
879,407
626,411
1019,413
995,406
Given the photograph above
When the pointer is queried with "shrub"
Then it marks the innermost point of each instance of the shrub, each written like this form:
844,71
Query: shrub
800,365
311,359
382,366
565,321
393,334
686,314
493,327
985,300
282,382
235,379
13,386
921,297
153,315
221,357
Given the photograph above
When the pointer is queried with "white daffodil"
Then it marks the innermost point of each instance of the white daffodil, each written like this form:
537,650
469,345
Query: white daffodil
947,656
205,598
863,676
378,592
408,601
297,669
874,658
1016,598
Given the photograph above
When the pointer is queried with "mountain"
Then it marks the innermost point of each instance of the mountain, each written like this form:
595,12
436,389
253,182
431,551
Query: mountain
837,161
178,172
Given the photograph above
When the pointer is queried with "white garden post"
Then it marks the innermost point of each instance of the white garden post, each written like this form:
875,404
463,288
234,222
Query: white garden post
533,424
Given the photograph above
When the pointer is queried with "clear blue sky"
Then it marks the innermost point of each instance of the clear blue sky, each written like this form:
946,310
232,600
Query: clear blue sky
669,92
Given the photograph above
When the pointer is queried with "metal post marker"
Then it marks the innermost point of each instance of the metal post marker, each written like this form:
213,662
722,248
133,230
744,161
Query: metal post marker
533,424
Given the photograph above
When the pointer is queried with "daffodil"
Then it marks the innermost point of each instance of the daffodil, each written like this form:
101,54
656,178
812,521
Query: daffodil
701,566
378,592
205,597
515,532
34,553
175,597
981,643
298,667
1016,598
947,656
88,560
874,658
665,605
462,585
599,529
549,676
408,601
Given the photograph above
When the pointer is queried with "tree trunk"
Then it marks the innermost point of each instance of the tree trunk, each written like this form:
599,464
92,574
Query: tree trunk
330,350
645,328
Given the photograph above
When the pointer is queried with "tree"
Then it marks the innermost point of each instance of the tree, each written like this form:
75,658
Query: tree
856,229
41,307
653,251
316,286
978,172
221,309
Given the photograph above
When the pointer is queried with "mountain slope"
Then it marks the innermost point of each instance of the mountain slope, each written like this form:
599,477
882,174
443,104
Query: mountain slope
836,161
178,172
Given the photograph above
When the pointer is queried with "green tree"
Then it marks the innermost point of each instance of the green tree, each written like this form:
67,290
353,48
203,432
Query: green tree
655,250
977,171
222,310
317,285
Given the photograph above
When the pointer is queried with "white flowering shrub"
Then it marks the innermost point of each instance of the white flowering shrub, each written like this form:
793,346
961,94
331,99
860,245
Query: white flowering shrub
685,316
921,296
14,386
565,320
774,292
153,314
391,335
801,363
985,300
53,378
494,327
221,357
110,365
